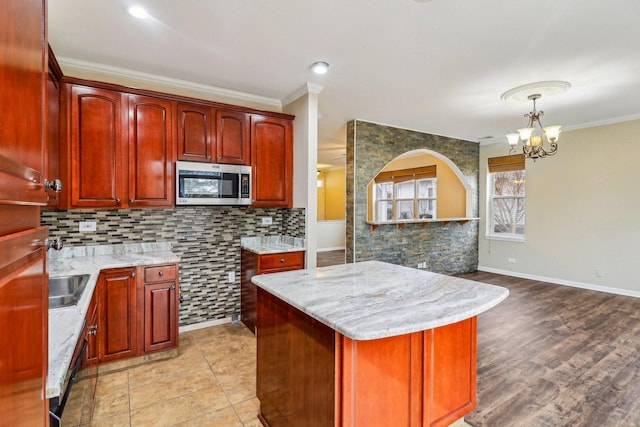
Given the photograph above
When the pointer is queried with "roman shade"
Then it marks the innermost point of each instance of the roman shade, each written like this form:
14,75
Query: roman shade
403,175
506,163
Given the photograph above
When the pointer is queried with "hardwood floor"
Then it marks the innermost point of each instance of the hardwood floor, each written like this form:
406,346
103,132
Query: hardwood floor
330,258
552,355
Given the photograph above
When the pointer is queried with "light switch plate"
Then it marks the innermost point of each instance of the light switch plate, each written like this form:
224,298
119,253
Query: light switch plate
267,220
87,226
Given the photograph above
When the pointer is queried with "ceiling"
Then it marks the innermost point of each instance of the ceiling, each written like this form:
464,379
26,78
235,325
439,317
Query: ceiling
435,66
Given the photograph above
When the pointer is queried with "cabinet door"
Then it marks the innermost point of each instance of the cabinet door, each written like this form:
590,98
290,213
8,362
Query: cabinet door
97,169
24,317
272,160
53,131
150,152
232,138
160,322
117,318
195,130
22,97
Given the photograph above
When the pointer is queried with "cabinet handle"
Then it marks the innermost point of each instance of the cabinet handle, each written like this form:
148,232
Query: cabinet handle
131,201
172,288
281,259
161,273
219,158
117,200
208,157
133,274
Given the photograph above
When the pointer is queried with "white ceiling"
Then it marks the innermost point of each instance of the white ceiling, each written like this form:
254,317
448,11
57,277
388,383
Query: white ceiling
438,66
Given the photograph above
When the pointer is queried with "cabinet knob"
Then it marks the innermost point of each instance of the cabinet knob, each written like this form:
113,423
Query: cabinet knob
281,259
172,288
55,185
131,201
133,274
219,158
161,273
92,332
55,244
208,157
117,200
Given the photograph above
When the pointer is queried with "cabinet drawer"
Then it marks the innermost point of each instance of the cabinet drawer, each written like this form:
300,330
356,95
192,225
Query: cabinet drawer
281,262
160,273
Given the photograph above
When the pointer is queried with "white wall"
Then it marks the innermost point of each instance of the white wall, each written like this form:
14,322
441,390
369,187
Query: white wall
305,163
582,211
331,235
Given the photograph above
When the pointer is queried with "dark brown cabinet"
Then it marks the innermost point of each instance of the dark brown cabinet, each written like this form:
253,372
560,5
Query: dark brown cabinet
160,294
232,137
96,158
120,149
150,152
210,135
272,161
253,264
23,259
117,314
195,132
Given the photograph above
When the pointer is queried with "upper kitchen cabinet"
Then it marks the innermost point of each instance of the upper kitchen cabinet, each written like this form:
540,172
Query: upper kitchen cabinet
195,132
150,152
232,137
210,135
94,157
53,131
119,151
272,161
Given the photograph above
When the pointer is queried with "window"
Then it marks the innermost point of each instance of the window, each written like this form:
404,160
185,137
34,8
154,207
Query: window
405,195
506,197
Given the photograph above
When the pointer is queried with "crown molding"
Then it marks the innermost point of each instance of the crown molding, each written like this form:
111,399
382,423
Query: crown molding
311,88
70,65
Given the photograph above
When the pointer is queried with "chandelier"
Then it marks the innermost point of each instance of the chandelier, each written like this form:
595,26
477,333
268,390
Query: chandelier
533,136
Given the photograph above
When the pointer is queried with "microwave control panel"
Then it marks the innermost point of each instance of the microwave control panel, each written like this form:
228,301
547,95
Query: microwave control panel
244,186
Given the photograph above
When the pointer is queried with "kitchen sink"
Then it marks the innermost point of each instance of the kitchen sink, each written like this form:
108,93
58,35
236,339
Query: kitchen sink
66,290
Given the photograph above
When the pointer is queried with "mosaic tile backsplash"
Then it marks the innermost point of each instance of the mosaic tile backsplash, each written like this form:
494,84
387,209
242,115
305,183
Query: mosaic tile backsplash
207,239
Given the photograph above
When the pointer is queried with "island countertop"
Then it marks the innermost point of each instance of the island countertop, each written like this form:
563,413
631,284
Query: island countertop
372,299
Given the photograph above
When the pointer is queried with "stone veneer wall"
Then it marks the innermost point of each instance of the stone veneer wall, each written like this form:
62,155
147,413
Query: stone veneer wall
207,239
450,249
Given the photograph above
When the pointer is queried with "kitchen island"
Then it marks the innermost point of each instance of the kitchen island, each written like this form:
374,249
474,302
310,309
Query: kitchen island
367,344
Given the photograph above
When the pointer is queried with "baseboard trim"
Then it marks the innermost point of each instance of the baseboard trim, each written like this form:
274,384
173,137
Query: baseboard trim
202,325
332,248
581,285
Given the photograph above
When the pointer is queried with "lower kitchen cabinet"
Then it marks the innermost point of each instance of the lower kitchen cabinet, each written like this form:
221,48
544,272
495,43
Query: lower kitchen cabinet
253,264
136,311
117,314
160,296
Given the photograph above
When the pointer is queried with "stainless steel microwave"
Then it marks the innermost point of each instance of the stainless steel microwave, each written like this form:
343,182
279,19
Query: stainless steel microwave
212,184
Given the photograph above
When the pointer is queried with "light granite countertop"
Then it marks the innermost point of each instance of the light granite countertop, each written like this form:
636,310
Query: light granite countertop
372,299
65,323
262,245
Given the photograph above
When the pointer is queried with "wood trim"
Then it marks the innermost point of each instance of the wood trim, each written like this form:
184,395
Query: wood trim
172,97
402,175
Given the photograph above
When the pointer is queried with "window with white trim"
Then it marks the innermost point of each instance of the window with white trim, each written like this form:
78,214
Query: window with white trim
408,194
506,186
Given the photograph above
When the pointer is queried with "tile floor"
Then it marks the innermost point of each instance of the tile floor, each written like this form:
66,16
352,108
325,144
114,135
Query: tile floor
210,383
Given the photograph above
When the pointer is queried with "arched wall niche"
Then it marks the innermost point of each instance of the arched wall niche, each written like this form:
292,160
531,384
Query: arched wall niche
454,192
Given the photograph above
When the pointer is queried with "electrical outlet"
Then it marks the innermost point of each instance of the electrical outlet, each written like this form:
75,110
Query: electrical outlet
232,277
267,220
511,260
87,226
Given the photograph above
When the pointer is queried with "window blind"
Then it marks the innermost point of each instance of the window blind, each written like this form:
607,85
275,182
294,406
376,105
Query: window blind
403,175
506,163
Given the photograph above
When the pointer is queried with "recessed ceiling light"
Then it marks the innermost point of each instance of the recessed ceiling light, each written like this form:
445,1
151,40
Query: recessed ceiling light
139,12
320,67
